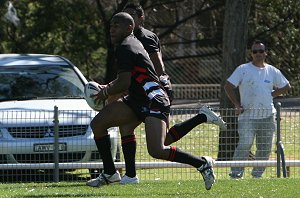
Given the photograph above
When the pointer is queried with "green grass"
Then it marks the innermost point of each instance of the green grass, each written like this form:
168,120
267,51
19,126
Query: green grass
223,188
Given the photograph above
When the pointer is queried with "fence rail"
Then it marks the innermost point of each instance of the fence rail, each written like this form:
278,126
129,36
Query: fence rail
146,165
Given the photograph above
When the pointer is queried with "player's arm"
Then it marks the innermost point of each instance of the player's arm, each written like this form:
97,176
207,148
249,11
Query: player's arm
157,61
159,67
117,86
120,84
280,91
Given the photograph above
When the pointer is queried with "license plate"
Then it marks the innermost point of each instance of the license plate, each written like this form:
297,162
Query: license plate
49,147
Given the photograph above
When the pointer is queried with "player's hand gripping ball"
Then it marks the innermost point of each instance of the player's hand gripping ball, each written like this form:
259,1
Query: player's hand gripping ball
90,90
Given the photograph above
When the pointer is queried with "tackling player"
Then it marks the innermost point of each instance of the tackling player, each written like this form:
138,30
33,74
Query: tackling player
151,44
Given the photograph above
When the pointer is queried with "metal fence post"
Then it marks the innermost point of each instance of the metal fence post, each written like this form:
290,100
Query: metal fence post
56,145
279,144
278,104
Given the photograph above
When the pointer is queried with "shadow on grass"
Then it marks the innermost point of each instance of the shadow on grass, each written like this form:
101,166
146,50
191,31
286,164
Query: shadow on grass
13,176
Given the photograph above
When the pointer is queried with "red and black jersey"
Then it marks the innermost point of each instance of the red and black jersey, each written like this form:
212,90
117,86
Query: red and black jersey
145,85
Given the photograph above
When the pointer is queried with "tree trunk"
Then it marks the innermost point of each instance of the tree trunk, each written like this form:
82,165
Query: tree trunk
235,35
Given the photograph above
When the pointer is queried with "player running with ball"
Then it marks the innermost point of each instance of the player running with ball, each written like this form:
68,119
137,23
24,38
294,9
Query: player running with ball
146,101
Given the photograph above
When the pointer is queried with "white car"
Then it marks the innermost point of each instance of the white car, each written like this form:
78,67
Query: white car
31,86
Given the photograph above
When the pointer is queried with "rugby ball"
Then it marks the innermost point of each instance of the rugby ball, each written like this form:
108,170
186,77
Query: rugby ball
92,88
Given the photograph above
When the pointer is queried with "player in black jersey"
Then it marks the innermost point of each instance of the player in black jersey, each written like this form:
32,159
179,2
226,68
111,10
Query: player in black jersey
147,101
151,44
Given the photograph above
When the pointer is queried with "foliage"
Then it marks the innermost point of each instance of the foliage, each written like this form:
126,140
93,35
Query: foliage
68,28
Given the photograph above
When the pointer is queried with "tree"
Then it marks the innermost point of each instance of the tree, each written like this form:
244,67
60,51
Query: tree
235,37
9,20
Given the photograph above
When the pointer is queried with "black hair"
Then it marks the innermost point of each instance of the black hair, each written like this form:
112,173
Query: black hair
137,7
257,41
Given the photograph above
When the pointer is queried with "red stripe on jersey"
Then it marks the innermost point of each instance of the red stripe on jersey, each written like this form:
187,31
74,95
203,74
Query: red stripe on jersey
141,78
139,69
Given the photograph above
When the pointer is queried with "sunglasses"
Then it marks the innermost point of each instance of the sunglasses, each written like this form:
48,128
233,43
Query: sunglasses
258,51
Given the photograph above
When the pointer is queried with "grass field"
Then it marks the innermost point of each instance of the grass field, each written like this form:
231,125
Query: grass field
223,188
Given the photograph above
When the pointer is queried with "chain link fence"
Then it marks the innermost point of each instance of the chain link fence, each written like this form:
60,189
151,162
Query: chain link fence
28,153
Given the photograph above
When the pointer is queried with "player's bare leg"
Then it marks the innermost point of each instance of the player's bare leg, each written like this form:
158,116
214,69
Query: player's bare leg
115,114
155,136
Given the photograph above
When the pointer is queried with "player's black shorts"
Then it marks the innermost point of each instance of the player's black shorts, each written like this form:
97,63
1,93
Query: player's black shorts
155,109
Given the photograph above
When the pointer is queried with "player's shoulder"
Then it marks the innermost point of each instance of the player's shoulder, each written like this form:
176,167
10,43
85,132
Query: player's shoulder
145,34
148,32
129,41
130,45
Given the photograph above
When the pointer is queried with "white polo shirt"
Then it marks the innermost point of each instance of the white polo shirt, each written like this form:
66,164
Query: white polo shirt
255,86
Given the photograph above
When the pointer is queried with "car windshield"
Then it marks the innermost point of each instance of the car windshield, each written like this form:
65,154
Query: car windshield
32,82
